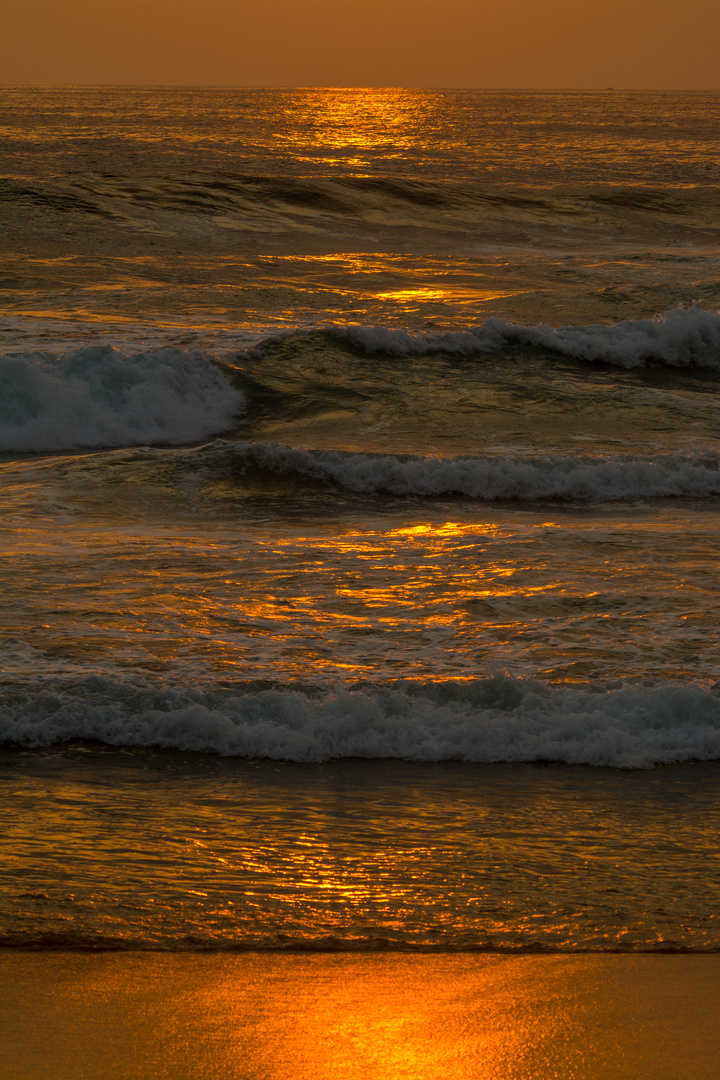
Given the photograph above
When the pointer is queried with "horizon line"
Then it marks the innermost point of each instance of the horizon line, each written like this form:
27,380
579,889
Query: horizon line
318,86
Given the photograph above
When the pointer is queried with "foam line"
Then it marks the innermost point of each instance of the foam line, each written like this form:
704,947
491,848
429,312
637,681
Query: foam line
682,337
504,476
499,719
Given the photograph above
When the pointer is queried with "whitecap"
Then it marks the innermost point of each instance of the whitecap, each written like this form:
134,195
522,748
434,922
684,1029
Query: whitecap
102,397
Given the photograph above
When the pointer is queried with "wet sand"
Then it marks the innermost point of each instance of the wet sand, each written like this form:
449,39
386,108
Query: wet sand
217,1016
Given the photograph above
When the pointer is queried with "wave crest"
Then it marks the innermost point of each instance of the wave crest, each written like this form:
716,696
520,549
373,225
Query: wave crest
100,396
498,719
512,476
682,338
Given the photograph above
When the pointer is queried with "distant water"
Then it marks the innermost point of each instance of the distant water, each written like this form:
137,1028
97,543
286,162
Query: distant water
361,425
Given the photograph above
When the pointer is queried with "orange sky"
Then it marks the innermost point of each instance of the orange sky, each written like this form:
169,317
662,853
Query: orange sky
642,44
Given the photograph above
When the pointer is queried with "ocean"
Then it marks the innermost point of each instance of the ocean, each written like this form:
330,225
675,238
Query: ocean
361,491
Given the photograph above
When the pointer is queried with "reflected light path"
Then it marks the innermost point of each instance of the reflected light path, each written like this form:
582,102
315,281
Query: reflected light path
350,128
353,1018
184,850
430,599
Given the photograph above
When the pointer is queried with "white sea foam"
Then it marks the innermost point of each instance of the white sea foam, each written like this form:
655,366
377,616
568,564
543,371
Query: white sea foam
100,396
509,476
683,337
493,720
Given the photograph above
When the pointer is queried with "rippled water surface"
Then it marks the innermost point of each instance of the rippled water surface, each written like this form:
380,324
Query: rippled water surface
184,852
363,446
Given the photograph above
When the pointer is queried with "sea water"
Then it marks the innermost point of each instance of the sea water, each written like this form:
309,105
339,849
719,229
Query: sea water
361,478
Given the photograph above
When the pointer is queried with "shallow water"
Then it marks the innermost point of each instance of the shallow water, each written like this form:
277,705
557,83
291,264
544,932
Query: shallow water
178,851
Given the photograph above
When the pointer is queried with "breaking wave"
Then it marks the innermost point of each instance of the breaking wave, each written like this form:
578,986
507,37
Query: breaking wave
682,338
499,719
511,476
100,396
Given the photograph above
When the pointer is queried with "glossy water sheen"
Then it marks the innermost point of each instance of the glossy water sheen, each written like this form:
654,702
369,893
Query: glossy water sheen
188,852
392,1017
512,136
361,425
389,1016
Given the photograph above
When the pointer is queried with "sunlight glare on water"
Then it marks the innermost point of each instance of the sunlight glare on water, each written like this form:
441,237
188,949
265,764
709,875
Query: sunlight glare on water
347,1018
360,476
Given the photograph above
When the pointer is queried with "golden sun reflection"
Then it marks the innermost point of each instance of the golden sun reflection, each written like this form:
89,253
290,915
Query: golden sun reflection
361,1017
458,295
415,283
427,599
363,603
362,119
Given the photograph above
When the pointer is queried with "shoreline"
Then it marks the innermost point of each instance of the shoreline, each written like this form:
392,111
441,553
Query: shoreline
142,1015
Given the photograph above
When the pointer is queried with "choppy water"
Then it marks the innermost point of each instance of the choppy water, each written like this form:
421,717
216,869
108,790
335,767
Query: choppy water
360,425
